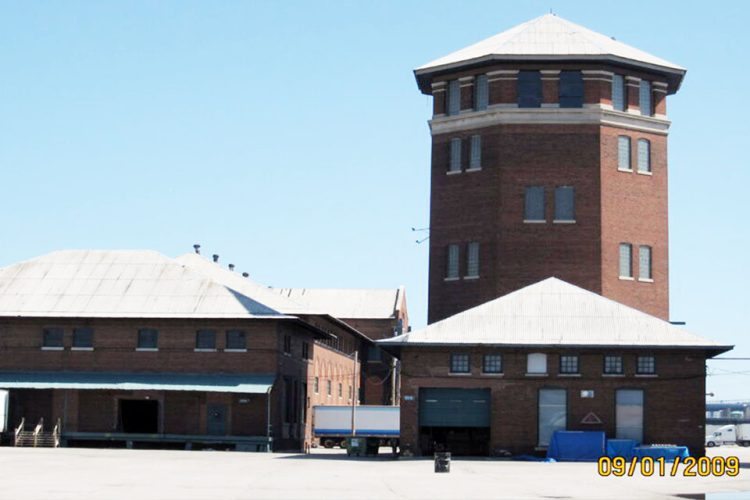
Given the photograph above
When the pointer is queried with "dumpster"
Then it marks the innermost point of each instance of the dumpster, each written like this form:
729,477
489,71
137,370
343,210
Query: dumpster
355,446
442,461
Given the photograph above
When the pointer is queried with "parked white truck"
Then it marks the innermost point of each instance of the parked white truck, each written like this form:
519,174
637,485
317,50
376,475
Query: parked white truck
729,434
378,425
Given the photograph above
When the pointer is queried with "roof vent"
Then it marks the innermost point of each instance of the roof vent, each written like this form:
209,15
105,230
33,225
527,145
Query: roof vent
197,248
231,267
216,257
245,275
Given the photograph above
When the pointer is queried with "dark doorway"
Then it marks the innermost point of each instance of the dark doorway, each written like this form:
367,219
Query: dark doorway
139,416
216,422
454,420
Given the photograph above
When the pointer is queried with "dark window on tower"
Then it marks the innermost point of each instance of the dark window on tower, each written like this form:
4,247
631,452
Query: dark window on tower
52,338
455,155
236,339
205,339
475,157
529,89
451,271
644,156
472,260
644,263
613,364
644,96
148,338
626,260
481,93
571,89
618,92
534,204
305,350
454,97
565,208
623,153
83,338
288,344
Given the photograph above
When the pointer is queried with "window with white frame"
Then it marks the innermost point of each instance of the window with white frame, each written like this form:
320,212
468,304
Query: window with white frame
475,158
536,363
481,92
455,155
236,340
460,363
534,204
618,92
83,338
645,365
644,262
52,338
493,363
626,260
644,98
451,271
148,338
565,208
205,339
472,260
623,153
454,97
569,364
644,155
613,365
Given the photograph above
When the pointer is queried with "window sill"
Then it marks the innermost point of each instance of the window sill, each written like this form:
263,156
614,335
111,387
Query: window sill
491,374
81,348
476,169
471,277
235,350
528,221
450,279
459,374
627,278
569,375
646,375
613,375
453,172
537,374
146,349
203,350
563,222
644,173
645,280
50,348
626,170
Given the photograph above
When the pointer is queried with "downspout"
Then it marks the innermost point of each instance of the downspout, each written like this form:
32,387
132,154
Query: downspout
268,418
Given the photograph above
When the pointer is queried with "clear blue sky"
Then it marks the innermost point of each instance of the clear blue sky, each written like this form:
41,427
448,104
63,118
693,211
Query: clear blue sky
290,137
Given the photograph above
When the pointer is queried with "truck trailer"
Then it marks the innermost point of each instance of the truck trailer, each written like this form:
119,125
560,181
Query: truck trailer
729,434
377,425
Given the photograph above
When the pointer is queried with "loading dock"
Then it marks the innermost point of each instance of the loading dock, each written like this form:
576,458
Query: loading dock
455,420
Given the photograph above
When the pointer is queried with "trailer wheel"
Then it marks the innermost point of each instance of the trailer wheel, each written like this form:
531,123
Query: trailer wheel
328,443
710,444
342,444
745,443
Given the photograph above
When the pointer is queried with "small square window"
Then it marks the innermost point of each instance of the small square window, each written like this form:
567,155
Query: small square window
148,338
83,338
460,363
52,338
493,363
645,365
236,339
613,364
568,364
536,363
205,339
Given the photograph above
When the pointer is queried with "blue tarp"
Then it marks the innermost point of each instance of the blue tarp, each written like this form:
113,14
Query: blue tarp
668,452
621,448
577,446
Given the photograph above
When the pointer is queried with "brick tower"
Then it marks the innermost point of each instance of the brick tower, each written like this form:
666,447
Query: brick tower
549,158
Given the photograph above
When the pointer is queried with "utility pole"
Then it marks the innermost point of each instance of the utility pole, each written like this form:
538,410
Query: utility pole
354,393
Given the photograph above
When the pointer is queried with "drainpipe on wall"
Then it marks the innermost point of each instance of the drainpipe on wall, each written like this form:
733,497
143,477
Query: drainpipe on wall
268,418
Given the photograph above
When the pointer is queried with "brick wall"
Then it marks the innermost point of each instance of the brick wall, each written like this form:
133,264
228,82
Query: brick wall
673,409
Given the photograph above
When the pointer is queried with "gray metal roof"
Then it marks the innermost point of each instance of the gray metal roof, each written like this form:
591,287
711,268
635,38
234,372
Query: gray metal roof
550,37
349,303
203,382
120,283
554,313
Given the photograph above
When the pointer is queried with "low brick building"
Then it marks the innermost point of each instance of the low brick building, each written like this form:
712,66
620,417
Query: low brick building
132,346
503,376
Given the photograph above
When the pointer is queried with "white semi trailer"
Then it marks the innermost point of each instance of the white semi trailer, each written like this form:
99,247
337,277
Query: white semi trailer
378,425
729,434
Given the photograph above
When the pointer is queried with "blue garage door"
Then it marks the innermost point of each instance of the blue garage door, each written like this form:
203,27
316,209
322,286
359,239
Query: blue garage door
454,407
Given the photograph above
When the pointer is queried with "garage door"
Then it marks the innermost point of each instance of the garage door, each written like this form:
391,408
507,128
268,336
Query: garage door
454,407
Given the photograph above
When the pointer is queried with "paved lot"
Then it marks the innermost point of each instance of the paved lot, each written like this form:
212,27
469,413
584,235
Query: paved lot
326,474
